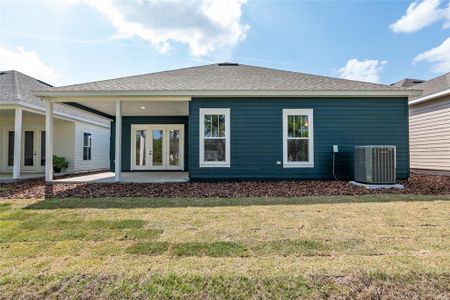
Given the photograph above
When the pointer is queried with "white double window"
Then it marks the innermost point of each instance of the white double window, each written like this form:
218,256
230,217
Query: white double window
214,137
298,134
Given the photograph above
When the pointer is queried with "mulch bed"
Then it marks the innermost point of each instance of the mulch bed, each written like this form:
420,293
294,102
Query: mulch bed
417,184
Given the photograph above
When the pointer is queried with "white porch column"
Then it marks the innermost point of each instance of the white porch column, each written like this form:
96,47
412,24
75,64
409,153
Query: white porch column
17,142
49,141
118,152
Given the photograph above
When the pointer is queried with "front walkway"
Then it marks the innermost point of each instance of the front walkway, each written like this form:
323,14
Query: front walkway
129,177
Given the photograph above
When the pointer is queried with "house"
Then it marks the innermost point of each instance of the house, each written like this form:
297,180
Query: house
429,126
230,121
80,135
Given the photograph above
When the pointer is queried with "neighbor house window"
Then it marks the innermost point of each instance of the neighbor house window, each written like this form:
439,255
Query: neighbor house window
298,145
214,137
87,146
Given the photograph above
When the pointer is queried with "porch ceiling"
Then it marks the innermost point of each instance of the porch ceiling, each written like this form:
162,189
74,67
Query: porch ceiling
141,108
10,113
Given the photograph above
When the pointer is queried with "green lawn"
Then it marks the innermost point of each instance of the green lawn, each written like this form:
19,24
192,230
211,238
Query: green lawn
312,247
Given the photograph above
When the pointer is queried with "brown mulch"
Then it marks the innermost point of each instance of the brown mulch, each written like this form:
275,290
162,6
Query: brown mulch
417,184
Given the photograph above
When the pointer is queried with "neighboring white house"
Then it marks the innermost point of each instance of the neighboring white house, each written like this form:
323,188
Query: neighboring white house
81,136
429,125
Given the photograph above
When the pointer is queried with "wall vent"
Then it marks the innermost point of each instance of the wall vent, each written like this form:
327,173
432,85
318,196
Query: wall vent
228,64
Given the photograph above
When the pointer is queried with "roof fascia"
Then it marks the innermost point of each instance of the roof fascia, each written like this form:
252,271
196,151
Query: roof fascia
60,115
430,97
166,95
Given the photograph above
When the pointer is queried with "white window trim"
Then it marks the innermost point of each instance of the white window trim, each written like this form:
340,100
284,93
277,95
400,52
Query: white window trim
82,146
215,164
305,112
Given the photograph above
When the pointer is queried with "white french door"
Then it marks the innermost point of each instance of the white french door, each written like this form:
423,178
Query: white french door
157,147
33,149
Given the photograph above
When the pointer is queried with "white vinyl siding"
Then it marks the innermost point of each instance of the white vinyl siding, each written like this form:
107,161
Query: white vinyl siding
87,146
429,129
63,142
100,147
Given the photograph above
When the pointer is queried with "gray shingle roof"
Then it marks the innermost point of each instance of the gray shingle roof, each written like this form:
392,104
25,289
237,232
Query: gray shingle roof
434,85
16,88
407,82
227,77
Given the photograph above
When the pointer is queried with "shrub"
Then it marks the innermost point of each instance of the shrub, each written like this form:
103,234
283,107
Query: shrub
59,163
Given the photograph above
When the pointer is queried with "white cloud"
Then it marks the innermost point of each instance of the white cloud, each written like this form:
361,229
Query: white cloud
447,17
421,14
363,70
27,62
440,56
204,25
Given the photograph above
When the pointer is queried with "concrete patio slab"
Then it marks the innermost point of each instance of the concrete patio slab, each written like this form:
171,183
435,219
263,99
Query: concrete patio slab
378,186
8,177
129,177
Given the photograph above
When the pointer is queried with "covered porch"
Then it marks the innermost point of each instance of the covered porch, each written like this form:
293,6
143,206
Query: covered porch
23,142
149,133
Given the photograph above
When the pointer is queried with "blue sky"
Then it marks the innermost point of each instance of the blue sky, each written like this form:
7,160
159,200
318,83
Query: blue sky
73,41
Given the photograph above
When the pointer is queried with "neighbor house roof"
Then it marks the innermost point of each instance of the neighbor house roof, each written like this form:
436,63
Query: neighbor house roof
434,87
16,88
222,77
407,82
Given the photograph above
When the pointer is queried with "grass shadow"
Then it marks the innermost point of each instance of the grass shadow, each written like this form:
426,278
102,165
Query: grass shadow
212,249
130,203
302,247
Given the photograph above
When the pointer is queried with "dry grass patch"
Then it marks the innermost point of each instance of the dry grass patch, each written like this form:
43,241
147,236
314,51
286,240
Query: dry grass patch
290,247
143,234
115,224
175,286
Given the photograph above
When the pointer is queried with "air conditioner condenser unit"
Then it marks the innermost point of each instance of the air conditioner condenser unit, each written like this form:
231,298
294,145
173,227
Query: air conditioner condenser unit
375,164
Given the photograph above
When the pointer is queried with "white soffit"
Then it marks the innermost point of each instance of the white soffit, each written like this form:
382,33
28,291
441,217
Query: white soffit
142,108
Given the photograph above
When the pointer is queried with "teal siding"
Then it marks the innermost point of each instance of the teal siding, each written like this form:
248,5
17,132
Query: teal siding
256,135
126,136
